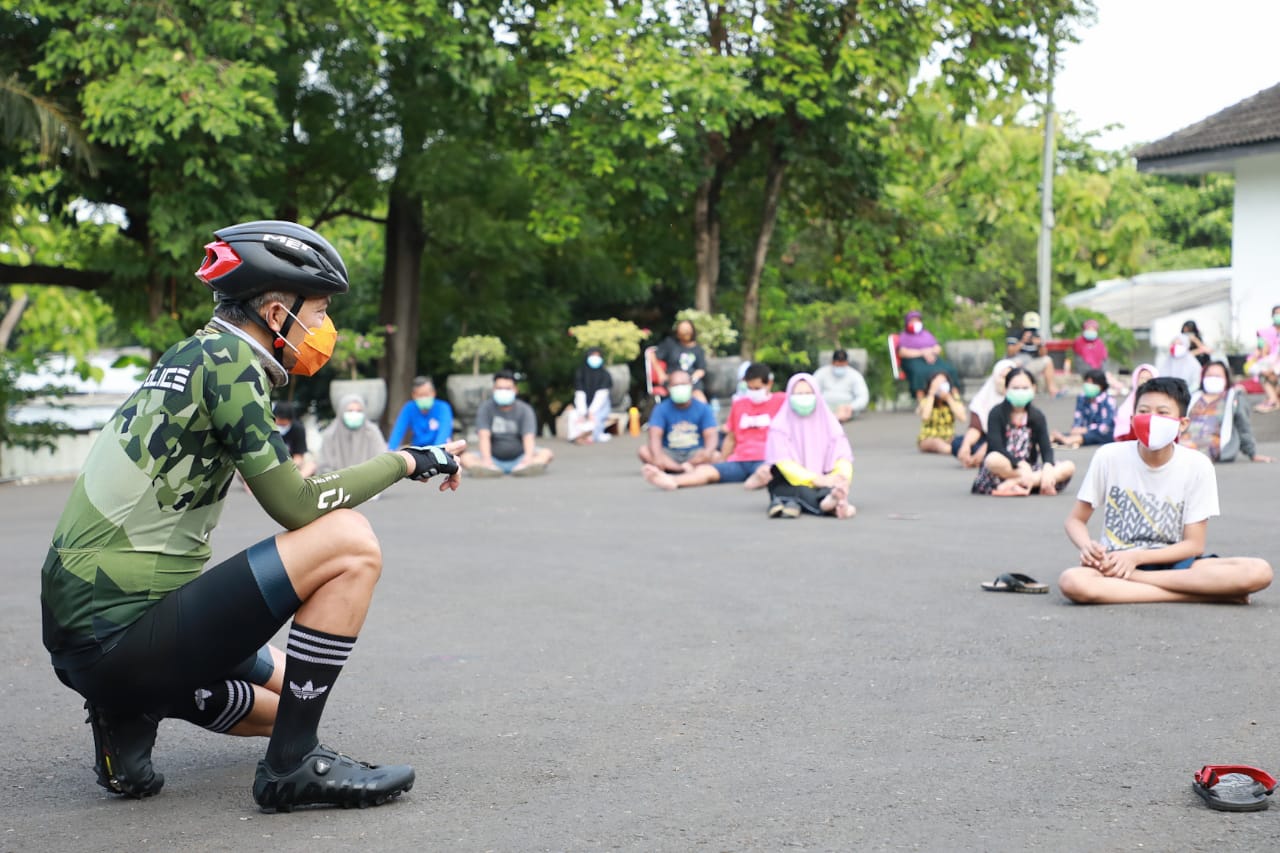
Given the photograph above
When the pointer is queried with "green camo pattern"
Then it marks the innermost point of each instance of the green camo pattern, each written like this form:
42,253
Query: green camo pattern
138,521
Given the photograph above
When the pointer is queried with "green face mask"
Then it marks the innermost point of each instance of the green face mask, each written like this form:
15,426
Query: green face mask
802,404
1275,319
1020,398
681,394
424,403
353,420
1091,390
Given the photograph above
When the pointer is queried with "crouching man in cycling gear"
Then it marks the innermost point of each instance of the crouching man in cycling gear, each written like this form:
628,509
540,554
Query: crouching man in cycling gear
130,620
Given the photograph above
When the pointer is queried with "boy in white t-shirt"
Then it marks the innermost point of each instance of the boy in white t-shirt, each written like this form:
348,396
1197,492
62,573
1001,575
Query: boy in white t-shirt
1157,498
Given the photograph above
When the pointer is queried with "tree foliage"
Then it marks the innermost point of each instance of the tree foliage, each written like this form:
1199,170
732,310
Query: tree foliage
496,169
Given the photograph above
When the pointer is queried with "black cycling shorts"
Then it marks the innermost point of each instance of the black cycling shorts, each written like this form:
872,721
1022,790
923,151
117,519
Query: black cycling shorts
214,628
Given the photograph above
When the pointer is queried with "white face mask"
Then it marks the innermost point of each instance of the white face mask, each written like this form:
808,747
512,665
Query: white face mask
758,395
1214,384
944,387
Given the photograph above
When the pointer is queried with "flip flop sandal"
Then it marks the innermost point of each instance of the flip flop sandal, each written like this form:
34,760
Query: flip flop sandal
1234,787
533,469
1015,582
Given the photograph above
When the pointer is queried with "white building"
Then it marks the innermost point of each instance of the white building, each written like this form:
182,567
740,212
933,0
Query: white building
1154,305
1243,139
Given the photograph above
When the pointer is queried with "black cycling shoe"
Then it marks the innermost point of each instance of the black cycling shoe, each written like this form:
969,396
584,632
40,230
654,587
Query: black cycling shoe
122,752
328,778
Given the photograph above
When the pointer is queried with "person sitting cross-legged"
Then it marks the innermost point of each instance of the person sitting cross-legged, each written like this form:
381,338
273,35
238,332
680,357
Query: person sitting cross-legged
842,386
506,429
1157,498
746,431
1019,460
683,432
424,419
1095,419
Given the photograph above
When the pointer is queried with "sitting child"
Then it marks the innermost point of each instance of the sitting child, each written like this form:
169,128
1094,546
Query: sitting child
1157,498
940,410
1019,458
1095,418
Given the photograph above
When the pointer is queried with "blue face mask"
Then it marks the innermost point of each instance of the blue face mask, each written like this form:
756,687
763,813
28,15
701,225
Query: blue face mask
504,396
595,362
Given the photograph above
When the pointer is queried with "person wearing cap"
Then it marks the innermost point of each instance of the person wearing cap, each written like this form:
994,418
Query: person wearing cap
1026,347
134,623
842,386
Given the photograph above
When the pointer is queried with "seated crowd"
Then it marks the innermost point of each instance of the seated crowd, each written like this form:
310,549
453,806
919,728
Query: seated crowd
794,444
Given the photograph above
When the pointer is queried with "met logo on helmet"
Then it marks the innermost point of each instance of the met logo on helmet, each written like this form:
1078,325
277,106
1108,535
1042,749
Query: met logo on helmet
296,245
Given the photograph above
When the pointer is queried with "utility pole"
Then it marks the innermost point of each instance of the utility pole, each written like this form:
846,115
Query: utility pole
1044,260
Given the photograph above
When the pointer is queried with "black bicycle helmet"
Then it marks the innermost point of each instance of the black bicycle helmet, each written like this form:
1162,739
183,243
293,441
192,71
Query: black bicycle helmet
254,257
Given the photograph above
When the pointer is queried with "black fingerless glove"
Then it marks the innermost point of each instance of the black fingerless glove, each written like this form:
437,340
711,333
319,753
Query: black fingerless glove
431,460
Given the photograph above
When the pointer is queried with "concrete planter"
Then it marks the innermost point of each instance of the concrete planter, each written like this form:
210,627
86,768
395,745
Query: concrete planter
857,359
372,391
620,394
973,359
466,392
722,376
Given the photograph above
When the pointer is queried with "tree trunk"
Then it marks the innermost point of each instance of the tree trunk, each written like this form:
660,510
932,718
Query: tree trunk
768,219
401,293
706,225
10,322
703,289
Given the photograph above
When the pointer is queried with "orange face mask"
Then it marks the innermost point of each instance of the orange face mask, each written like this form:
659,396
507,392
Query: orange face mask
316,349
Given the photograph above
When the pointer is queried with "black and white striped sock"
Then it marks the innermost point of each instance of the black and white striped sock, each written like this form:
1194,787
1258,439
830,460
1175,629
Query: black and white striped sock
313,660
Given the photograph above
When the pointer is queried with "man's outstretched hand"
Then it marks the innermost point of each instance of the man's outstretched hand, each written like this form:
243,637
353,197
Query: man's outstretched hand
430,460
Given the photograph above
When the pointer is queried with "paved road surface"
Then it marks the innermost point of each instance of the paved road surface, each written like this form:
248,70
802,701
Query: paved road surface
581,662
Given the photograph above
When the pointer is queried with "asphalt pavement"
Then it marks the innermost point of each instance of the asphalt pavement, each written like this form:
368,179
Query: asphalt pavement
580,661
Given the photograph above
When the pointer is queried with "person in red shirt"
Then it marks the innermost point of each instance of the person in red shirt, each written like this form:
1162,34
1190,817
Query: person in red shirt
745,433
1089,349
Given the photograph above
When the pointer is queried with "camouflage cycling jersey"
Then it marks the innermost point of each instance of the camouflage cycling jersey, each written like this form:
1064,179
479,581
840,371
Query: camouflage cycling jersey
138,521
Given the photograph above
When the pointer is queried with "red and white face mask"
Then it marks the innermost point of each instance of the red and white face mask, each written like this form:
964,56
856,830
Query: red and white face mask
1156,431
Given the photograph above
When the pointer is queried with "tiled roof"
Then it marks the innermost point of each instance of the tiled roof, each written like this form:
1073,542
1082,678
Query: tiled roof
1253,121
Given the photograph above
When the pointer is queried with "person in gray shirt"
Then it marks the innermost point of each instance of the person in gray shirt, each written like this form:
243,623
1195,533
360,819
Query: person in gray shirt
842,386
506,428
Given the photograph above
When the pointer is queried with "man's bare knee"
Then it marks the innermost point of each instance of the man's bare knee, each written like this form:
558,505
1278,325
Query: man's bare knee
349,538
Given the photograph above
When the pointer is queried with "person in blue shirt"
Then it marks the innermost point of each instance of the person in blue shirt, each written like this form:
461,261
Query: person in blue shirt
423,419
683,432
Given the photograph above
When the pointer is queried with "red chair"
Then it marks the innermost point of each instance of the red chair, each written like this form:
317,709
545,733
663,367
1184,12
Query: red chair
652,383
1061,363
893,356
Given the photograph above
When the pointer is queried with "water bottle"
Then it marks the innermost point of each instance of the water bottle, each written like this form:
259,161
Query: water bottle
715,408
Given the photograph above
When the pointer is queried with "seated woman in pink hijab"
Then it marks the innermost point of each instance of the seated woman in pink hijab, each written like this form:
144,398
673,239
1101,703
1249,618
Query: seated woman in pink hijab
807,456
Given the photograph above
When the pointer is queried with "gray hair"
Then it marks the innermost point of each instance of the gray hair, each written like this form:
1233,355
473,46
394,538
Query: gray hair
419,381
238,313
